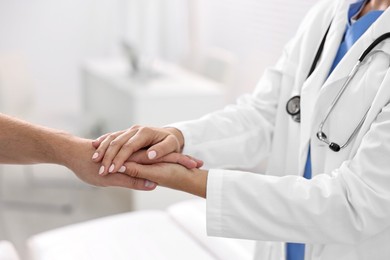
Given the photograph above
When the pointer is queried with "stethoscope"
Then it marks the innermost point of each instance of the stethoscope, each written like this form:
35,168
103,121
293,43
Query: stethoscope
293,104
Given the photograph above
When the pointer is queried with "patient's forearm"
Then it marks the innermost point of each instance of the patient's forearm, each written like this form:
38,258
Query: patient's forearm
25,143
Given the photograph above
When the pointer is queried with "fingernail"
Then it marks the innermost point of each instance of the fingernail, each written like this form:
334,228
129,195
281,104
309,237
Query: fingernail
149,184
111,168
95,155
152,155
101,170
122,169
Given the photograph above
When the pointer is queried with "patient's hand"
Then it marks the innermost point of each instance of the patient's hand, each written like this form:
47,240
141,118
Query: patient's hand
156,144
77,158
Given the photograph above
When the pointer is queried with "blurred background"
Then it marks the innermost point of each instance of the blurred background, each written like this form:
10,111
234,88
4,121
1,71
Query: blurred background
94,66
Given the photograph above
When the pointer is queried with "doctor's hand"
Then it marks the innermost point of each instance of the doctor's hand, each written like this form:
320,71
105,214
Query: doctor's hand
76,153
172,176
114,149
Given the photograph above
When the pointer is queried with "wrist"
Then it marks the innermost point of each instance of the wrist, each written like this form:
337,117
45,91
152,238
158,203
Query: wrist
68,149
196,182
202,183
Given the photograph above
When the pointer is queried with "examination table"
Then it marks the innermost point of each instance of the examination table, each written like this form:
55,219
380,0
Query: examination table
176,233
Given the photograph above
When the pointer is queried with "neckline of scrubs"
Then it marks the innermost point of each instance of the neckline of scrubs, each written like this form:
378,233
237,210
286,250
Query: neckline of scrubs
354,30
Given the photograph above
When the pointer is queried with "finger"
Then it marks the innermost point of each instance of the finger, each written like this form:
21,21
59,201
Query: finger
163,148
184,160
199,163
98,140
143,138
119,143
126,181
179,159
96,143
140,157
103,142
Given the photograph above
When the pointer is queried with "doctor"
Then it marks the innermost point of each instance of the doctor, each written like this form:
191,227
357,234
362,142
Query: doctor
326,192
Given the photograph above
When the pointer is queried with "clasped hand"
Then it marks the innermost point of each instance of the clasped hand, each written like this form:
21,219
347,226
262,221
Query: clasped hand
151,156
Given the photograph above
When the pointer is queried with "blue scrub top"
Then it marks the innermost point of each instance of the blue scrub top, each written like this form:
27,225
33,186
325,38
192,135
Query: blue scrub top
354,30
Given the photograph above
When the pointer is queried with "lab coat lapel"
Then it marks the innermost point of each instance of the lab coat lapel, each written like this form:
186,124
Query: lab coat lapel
313,84
383,95
345,66
335,81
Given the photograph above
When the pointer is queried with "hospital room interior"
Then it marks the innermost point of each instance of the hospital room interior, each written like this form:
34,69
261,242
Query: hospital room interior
96,66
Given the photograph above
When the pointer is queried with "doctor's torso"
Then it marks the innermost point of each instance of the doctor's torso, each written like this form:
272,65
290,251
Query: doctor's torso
367,89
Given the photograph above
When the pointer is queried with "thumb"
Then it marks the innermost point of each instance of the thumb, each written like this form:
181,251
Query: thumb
165,147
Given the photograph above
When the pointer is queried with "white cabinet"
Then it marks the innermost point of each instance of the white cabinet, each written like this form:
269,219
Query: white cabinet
114,99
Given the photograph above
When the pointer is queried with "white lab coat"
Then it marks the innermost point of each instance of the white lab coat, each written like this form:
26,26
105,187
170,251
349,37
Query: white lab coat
343,212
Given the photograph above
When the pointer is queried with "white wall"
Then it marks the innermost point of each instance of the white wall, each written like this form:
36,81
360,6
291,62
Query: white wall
255,31
55,37
157,28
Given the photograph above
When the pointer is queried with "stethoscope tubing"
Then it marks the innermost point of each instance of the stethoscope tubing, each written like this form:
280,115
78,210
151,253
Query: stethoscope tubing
320,134
351,75
367,53
374,44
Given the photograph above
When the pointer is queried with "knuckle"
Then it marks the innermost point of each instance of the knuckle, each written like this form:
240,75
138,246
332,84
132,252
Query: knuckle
142,129
128,146
132,172
112,136
135,127
117,161
171,144
145,130
113,143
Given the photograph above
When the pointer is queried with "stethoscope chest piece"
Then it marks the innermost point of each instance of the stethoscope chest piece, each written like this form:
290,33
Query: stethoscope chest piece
293,108
333,146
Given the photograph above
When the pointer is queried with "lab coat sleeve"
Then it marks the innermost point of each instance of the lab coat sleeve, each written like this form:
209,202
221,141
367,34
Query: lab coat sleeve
238,135
346,206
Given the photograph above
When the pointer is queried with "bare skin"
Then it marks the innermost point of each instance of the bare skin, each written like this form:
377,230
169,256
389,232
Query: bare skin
374,5
116,148
172,176
24,143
